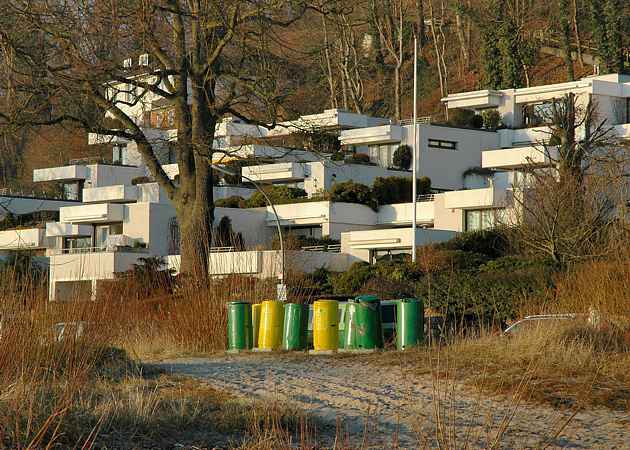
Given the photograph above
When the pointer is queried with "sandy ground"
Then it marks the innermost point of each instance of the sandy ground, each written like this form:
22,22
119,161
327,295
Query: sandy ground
394,408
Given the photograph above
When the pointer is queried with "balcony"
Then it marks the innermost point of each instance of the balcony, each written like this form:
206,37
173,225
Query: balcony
474,100
490,197
402,213
97,213
29,238
281,172
386,134
65,173
117,194
57,229
514,158
99,265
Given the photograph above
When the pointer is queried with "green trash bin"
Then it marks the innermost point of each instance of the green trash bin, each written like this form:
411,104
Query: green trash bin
294,333
239,325
363,325
409,323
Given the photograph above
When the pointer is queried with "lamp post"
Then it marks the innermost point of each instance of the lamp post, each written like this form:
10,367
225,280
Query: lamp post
414,161
281,285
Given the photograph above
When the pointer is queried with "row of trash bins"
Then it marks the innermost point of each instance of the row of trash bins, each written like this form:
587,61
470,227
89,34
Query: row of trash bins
361,324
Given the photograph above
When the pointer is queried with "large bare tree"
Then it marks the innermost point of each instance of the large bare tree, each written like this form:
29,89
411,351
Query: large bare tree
209,59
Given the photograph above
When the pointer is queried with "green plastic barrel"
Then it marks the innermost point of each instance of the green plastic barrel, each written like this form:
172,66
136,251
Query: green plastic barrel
363,326
409,323
239,326
295,327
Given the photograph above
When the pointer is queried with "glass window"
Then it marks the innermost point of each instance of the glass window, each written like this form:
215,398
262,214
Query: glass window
442,145
102,233
116,228
77,244
473,220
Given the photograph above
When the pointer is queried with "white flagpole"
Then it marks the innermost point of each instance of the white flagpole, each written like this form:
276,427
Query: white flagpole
414,162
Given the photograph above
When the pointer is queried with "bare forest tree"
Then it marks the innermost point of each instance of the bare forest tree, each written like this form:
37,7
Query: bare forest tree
576,207
342,54
208,60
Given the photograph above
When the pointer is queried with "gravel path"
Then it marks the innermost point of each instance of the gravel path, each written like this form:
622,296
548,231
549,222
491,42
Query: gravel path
393,407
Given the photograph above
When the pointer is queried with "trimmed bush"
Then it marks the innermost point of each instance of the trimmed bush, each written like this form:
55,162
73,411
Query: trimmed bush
398,189
359,158
277,194
491,119
351,192
403,157
234,201
491,243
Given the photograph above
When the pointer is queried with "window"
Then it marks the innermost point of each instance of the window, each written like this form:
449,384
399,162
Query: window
119,154
77,244
442,145
116,228
382,154
482,219
100,236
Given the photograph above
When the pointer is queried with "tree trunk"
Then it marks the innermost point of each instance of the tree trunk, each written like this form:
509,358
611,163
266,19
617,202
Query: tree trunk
196,210
329,72
565,31
461,37
576,31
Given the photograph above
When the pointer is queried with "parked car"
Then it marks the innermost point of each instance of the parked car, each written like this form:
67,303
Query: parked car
530,322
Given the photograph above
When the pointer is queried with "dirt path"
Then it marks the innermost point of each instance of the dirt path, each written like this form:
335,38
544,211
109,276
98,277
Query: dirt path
389,403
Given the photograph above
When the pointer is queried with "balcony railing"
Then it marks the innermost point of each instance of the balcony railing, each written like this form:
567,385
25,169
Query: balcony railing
81,250
426,197
426,120
332,248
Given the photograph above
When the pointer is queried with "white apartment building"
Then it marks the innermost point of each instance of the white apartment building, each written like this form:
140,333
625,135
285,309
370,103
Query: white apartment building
119,216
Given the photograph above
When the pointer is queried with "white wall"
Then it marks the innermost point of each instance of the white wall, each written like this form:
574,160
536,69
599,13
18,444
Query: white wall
22,239
360,244
324,174
251,223
446,218
160,215
402,213
109,175
348,217
445,168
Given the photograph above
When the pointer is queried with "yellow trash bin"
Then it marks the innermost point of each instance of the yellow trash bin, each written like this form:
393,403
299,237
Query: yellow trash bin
325,325
271,325
255,323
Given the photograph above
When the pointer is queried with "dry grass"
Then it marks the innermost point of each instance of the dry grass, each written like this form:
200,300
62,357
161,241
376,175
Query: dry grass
78,390
572,364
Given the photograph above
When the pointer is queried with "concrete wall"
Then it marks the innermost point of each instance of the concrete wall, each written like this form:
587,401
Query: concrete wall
252,223
160,215
86,267
445,218
361,244
110,175
28,238
446,168
402,213
323,175
268,264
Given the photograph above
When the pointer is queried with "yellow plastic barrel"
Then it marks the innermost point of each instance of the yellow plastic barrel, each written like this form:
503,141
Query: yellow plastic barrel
271,324
255,323
325,325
